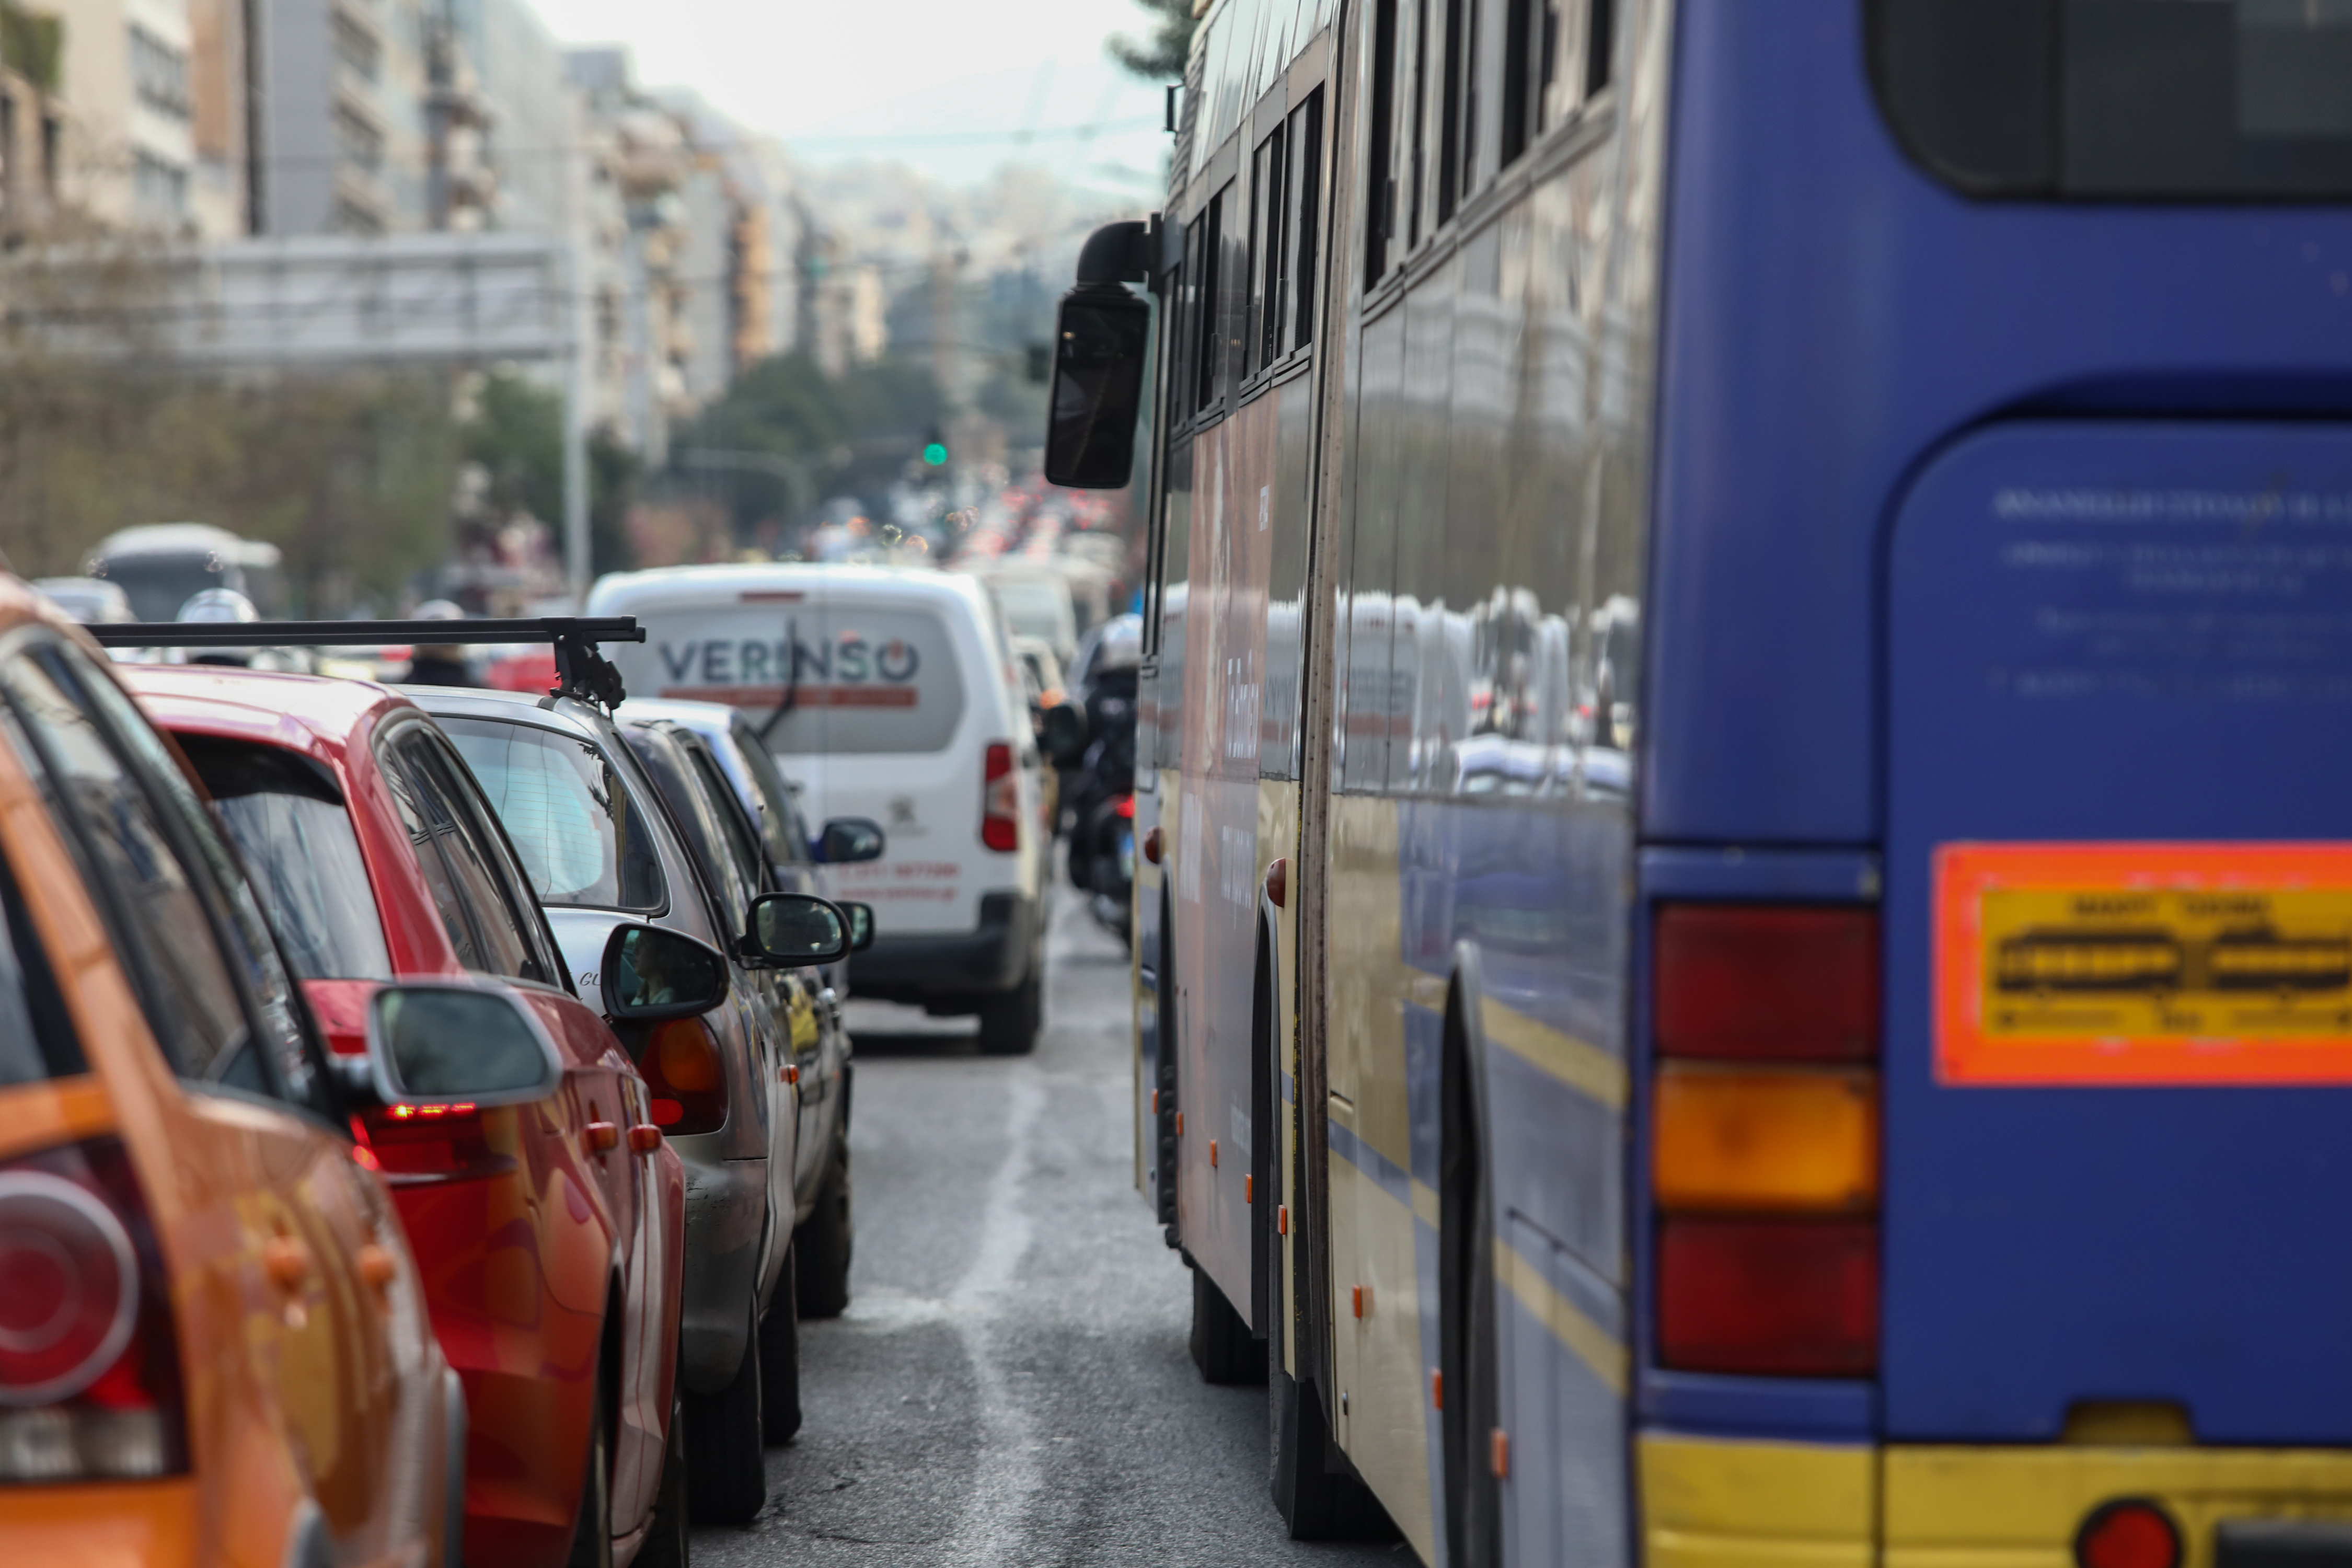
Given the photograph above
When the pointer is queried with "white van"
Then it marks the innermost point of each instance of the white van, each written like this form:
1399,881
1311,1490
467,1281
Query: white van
888,693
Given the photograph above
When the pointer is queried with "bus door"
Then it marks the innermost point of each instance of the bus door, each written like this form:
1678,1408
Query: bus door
2118,1130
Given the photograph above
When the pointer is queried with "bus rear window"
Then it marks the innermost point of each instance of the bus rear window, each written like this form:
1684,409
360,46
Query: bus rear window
2124,100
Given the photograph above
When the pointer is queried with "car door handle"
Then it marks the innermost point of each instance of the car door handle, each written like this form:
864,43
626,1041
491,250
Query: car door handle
602,1136
287,1262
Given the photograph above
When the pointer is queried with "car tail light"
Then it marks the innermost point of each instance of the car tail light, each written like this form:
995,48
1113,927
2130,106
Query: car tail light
683,1068
415,1145
1126,807
90,1364
999,801
1764,1139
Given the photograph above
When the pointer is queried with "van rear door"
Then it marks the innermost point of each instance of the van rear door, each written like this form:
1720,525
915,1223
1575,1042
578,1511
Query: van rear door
2118,1113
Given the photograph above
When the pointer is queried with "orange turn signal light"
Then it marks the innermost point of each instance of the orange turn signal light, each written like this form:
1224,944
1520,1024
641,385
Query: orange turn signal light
1784,1139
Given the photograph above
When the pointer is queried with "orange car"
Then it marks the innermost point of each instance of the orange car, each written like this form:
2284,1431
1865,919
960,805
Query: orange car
213,1345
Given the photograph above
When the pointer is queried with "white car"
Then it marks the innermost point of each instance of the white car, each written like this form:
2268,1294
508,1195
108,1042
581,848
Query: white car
891,694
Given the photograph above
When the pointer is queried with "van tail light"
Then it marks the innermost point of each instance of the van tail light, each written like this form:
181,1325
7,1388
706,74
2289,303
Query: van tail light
999,801
1764,1138
90,1363
683,1068
422,1145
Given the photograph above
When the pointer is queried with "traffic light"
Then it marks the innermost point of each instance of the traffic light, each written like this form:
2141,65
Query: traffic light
935,450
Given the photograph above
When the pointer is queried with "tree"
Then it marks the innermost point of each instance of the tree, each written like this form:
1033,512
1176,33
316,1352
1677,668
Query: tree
1161,56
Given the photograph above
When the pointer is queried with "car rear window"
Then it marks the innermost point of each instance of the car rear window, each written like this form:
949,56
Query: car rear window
2121,99
567,813
300,854
845,679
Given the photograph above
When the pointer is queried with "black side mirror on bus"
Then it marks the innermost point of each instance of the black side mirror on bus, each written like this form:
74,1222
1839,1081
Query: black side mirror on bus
1062,733
650,974
1099,344
849,840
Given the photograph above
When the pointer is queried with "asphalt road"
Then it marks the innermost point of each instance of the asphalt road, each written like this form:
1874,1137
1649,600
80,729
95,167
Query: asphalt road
1010,1384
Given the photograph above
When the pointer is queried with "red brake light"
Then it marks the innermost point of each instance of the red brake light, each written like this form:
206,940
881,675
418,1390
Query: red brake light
415,1145
1774,1298
682,1067
1746,981
999,801
1126,806
2127,1534
90,1365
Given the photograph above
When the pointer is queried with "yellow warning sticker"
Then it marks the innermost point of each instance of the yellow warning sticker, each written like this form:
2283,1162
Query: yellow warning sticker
2143,963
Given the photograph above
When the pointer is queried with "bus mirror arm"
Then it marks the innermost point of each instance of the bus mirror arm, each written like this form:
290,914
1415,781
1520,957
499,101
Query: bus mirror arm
1125,252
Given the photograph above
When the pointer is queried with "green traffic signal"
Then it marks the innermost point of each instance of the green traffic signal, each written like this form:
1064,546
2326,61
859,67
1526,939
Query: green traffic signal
936,453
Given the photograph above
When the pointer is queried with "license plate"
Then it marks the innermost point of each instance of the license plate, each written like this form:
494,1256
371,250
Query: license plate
2143,963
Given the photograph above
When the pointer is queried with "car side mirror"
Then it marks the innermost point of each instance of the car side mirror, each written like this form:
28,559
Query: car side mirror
1099,338
650,974
797,930
1064,733
449,1042
849,840
861,925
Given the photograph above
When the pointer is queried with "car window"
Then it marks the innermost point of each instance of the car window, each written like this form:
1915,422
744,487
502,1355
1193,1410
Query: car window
568,814
517,910
664,761
150,895
36,1033
463,893
741,842
291,826
780,820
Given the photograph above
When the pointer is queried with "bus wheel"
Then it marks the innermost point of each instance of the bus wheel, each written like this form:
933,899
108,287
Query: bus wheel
1221,1346
1317,1502
1465,1285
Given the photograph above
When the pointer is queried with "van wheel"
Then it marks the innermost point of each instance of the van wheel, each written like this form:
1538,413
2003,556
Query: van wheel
1008,1024
821,1246
666,1538
723,1448
780,1359
591,1529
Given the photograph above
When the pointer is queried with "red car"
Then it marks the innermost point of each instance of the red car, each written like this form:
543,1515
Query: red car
550,1236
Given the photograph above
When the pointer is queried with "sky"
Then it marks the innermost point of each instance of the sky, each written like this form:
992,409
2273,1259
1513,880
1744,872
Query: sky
952,87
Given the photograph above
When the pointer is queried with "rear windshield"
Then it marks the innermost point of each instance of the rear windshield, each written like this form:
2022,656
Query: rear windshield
300,854
2126,99
567,813
845,679
780,820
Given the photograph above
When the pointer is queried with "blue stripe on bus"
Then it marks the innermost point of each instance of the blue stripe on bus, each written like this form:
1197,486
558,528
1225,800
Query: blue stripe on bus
1393,1178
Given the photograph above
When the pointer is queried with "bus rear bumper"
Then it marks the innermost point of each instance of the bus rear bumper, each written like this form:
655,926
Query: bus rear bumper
1724,1503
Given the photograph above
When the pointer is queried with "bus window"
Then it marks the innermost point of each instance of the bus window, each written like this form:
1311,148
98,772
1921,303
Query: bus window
2121,98
1263,335
1379,168
1209,302
1304,141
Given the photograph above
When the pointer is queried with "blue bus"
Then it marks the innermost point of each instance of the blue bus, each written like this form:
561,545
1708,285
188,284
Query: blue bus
1745,948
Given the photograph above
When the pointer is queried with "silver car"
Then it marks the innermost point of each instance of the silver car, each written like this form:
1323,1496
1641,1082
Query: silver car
601,849
795,860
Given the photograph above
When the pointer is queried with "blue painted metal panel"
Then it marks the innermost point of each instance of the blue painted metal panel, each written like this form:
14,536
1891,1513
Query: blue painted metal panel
1831,316
2113,632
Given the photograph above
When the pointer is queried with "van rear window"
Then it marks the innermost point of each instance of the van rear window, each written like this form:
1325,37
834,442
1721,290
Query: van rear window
2129,99
833,677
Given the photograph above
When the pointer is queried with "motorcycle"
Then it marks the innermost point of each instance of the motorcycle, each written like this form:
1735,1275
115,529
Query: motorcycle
1102,814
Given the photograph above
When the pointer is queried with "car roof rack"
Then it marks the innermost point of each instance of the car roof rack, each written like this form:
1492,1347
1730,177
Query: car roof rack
582,672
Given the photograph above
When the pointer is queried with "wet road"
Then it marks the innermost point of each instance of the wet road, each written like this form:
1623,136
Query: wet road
1011,1384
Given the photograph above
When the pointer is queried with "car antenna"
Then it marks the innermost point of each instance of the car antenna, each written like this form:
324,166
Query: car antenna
582,672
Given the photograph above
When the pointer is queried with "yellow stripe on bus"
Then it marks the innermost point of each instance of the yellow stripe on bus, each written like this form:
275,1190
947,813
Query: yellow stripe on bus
1593,1345
1586,1069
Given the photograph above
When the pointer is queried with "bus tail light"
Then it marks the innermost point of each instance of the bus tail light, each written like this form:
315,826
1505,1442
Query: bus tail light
999,801
90,1365
683,1068
1771,1298
1764,1139
1741,1138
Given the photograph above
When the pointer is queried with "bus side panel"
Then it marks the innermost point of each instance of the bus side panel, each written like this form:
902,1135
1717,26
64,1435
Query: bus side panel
1218,866
1278,835
1379,1212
